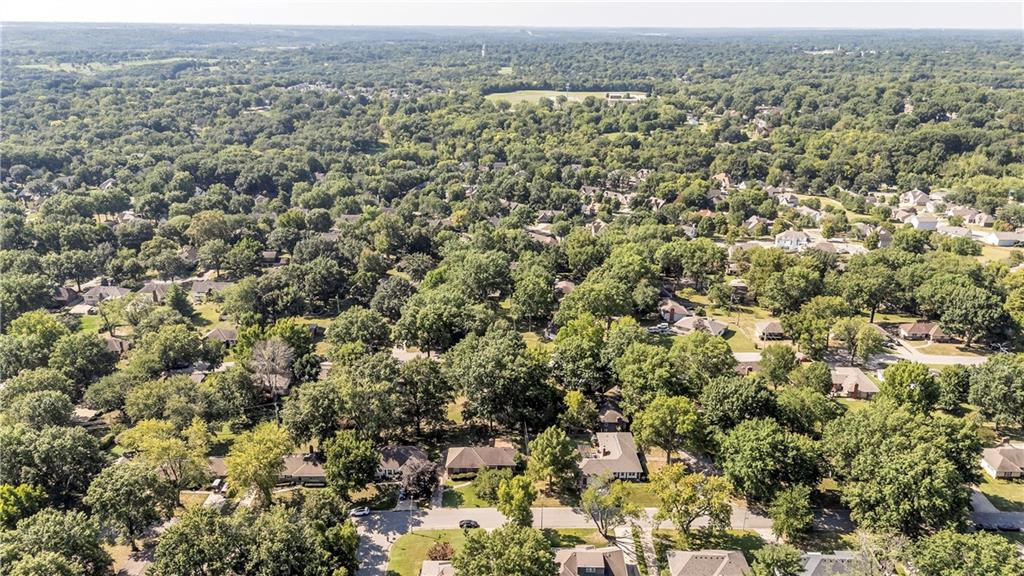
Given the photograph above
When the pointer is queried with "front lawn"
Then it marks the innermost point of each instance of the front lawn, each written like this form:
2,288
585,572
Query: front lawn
462,494
376,497
746,541
410,550
1006,495
641,494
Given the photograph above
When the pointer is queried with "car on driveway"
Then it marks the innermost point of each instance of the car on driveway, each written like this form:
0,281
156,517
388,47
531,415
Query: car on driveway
467,524
360,511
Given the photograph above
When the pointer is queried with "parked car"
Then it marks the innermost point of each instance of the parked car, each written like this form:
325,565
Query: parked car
467,524
360,511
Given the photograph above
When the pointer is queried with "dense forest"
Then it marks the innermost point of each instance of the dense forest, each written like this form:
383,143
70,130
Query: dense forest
241,242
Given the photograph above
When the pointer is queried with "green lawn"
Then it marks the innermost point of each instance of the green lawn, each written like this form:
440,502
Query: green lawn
410,550
90,323
641,494
854,404
534,340
376,497
462,494
1006,495
746,541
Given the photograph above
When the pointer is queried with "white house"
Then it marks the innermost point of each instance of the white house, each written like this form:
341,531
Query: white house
1002,238
791,240
913,198
924,221
1006,461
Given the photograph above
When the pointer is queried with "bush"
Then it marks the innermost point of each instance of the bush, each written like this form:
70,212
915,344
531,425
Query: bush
441,551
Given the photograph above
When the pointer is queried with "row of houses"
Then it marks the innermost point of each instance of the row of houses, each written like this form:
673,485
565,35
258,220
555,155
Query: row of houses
612,561
84,303
308,469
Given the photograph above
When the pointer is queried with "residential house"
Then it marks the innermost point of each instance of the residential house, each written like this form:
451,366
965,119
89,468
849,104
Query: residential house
914,198
397,460
116,345
548,216
689,230
884,238
922,331
738,291
791,240
751,224
968,214
88,418
707,563
614,455
299,469
1006,461
852,382
769,330
228,336
82,310
902,215
98,294
835,564
672,310
155,292
64,296
1005,239
470,459
924,221
611,417
591,561
823,246
596,227
982,219
788,199
716,196
699,324
811,213
954,231
201,289
437,568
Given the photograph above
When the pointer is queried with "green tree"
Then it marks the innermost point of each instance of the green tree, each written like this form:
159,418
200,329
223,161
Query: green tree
815,376
553,457
82,357
910,384
607,503
129,497
725,402
702,357
810,327
487,482
177,553
423,394
255,460
791,512
759,458
778,560
71,535
580,411
997,388
358,324
576,361
515,496
20,501
644,371
948,553
777,362
314,411
351,463
182,462
806,411
954,383
41,409
510,550
686,497
670,423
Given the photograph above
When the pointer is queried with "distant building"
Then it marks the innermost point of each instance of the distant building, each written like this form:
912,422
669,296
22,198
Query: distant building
922,331
466,459
1005,239
397,460
924,221
699,324
791,240
835,564
98,294
769,330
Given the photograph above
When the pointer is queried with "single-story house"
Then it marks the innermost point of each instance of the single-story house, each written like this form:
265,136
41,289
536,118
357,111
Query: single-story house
923,221
591,561
1006,461
303,469
738,290
64,296
791,240
614,455
469,459
914,197
611,417
88,418
769,330
116,345
823,246
754,221
155,291
396,460
1002,238
982,219
954,231
922,331
852,382
902,215
97,294
707,563
672,310
82,309
226,335
809,212
835,564
437,568
788,199
564,287
201,289
699,324
884,238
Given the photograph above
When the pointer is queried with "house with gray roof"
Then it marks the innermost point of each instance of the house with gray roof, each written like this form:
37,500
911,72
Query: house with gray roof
707,563
614,454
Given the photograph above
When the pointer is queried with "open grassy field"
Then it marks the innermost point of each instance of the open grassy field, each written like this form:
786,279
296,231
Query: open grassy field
96,67
1006,495
535,96
996,253
462,494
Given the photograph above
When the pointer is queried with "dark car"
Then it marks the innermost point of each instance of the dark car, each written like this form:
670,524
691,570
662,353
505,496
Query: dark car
467,524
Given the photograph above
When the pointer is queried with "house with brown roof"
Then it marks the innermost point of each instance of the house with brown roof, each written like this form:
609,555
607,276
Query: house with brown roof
470,459
155,292
614,454
699,324
922,331
64,296
672,310
300,469
769,330
116,345
707,563
226,335
791,240
1006,461
591,561
201,289
397,460
852,382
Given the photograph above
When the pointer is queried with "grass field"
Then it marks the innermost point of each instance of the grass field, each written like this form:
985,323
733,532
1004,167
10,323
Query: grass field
996,253
90,323
462,494
1003,494
96,67
943,349
641,494
535,96
854,404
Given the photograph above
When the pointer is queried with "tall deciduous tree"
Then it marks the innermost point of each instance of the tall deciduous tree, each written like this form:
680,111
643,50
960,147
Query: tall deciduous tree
791,512
759,457
670,423
351,463
686,497
607,503
910,384
129,497
553,457
255,461
515,496
510,550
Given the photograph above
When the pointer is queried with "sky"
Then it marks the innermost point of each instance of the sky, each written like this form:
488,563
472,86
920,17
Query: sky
525,13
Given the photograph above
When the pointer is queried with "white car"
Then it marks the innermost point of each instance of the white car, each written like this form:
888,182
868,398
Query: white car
360,511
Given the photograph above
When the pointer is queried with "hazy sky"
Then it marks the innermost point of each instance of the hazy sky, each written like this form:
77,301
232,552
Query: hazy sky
518,13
